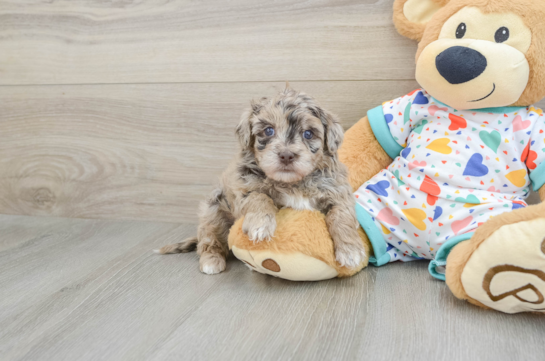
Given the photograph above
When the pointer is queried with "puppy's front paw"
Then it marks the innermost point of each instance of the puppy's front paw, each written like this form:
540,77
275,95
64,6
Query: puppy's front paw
350,254
212,263
259,226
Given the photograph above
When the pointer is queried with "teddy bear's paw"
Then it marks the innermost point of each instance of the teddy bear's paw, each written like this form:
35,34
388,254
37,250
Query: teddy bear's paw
293,267
507,271
259,226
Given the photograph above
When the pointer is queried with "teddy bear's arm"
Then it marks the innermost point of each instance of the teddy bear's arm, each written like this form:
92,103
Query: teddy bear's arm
362,153
542,194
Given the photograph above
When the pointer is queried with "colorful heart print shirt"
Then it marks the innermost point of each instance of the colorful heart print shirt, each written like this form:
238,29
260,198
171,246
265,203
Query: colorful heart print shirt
452,170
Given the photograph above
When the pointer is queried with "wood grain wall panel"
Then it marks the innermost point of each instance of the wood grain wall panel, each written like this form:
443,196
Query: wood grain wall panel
145,152
152,41
125,109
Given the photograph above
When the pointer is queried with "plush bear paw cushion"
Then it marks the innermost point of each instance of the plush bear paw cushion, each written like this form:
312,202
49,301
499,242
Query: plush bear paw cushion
301,249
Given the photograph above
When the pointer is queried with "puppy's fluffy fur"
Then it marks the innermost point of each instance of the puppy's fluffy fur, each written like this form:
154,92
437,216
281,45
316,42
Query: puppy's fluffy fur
288,158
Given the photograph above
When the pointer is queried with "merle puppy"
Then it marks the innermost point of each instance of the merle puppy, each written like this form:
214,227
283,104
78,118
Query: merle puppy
287,158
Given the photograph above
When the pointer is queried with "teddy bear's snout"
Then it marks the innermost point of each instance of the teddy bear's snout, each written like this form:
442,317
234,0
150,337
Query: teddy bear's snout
459,64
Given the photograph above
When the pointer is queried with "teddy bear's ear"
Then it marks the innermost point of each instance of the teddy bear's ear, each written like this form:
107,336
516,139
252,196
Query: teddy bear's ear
411,16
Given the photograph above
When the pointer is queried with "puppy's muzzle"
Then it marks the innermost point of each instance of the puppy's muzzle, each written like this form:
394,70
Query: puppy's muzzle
287,157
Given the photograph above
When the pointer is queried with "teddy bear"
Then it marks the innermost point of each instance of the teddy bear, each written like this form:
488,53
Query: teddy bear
442,173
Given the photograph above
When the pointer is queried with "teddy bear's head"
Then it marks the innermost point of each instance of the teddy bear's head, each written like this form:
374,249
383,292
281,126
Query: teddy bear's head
476,54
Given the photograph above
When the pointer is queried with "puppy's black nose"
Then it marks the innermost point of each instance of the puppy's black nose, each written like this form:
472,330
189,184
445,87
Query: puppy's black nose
460,64
286,157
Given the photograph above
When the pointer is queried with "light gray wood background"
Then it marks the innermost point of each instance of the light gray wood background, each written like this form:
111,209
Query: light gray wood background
125,109
73,289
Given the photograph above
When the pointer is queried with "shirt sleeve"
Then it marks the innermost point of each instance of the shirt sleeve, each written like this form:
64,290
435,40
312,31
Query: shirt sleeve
393,121
534,153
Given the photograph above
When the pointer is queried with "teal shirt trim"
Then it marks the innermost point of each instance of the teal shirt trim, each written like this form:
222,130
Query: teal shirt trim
487,110
380,257
382,132
441,256
538,177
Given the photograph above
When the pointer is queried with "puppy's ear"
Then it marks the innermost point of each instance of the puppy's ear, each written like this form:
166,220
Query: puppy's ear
334,132
288,90
257,105
288,86
243,130
412,16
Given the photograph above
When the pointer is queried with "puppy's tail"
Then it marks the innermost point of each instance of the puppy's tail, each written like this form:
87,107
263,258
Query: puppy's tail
185,246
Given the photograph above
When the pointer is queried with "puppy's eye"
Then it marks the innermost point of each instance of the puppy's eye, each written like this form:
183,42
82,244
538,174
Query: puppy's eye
461,31
269,132
501,35
308,134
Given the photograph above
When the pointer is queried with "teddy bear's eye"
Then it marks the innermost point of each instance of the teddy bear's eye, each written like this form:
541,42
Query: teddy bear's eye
501,35
461,31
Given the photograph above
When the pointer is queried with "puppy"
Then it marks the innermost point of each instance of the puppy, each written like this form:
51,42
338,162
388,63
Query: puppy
288,158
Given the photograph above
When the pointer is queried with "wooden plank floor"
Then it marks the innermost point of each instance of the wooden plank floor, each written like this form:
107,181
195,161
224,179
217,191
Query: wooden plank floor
73,289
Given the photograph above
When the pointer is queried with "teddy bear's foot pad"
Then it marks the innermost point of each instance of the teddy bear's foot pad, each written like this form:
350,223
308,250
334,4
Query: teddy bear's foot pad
507,271
294,266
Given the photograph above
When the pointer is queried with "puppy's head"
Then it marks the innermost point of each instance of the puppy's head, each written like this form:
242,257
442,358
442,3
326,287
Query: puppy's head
290,135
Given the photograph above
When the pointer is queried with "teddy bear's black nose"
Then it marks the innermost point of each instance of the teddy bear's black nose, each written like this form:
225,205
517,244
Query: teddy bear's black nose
460,64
